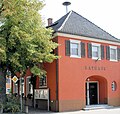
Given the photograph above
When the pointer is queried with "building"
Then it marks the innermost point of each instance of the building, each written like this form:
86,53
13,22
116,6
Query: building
88,71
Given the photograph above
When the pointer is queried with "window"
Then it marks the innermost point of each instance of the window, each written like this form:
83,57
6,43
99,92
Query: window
43,81
15,87
21,89
96,51
113,53
29,86
74,48
114,86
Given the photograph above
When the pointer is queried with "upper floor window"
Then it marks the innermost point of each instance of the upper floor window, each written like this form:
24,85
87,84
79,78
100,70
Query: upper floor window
74,48
113,53
96,51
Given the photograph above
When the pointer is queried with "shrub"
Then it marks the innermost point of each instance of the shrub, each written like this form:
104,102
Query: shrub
12,104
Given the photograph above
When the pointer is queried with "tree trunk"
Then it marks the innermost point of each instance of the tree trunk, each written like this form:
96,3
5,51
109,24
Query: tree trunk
2,87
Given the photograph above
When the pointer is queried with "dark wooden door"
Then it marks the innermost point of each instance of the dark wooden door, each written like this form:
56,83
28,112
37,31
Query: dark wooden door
93,93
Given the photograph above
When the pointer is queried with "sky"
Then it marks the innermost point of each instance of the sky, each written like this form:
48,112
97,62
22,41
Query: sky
103,13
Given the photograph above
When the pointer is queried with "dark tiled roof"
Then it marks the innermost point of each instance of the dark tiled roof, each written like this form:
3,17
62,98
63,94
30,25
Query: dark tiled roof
75,24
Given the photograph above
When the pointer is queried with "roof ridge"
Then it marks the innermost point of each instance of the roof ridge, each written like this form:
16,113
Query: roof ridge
96,25
65,21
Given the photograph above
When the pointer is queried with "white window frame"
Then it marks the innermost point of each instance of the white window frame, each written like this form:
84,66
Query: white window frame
113,47
99,53
79,49
44,85
27,86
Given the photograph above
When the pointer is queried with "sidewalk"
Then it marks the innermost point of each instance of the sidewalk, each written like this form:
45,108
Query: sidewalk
115,110
98,111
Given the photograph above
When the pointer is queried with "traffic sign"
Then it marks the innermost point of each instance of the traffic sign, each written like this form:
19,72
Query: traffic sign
15,79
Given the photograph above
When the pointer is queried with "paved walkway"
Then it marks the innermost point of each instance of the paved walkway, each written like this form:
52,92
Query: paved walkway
97,111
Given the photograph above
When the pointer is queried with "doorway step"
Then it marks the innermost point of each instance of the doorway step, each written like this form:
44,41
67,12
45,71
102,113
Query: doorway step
95,107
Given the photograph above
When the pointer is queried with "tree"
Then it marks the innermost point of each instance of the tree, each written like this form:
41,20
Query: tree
24,40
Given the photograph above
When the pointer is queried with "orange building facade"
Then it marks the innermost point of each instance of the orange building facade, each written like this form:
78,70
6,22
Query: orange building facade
83,81
88,70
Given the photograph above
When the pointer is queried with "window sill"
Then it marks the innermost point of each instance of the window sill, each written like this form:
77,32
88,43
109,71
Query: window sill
113,60
73,56
42,87
94,58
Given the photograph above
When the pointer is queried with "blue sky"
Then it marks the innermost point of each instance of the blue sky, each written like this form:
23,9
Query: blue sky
104,13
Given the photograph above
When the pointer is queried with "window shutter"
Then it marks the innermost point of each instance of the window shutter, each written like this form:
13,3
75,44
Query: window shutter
102,52
82,49
89,50
107,52
67,47
118,53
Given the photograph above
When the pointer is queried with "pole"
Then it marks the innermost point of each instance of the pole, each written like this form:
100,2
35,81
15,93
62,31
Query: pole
66,9
48,100
20,95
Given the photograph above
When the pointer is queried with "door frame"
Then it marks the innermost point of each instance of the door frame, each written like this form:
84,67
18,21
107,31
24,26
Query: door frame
87,92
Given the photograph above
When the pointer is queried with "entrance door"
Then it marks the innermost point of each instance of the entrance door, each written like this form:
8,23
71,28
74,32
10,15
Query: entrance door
93,93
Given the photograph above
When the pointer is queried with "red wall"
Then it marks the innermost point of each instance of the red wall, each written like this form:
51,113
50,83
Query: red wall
51,79
73,75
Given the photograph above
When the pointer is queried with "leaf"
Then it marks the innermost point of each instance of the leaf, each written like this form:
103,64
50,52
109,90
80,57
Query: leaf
37,71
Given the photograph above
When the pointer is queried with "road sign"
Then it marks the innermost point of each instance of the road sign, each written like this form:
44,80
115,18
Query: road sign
15,79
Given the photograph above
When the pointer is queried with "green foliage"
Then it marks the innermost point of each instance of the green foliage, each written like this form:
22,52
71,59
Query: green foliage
12,104
24,39
37,71
1,105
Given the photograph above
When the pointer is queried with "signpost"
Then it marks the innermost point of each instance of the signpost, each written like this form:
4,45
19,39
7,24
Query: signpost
42,94
15,79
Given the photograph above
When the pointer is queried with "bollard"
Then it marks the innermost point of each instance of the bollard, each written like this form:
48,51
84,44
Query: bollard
26,109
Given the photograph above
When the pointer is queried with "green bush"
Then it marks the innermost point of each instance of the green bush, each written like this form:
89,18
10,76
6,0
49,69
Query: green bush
12,104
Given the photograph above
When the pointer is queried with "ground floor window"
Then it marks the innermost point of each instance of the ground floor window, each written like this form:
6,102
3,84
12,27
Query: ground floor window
114,86
43,81
29,87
